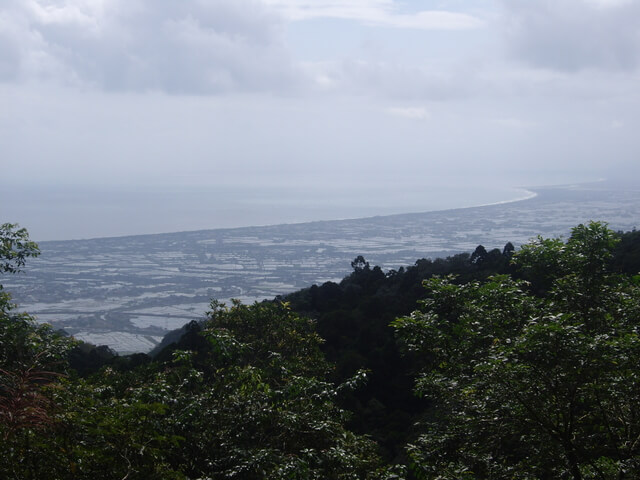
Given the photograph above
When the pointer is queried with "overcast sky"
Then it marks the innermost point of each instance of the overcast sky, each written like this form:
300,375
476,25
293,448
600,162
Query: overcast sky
205,92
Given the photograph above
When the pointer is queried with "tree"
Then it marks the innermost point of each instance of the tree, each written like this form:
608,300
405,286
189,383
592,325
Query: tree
263,408
478,255
359,264
32,362
246,397
508,250
539,382
250,402
15,247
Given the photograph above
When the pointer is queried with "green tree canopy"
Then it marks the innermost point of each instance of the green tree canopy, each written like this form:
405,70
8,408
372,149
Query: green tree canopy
532,380
15,247
249,402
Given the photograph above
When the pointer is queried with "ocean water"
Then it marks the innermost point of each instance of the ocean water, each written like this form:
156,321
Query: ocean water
57,213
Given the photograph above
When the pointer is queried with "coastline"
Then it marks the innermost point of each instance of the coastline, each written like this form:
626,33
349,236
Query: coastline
529,194
64,214
144,285
526,193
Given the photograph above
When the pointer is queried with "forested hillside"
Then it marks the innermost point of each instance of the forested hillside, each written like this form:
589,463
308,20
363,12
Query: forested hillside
493,364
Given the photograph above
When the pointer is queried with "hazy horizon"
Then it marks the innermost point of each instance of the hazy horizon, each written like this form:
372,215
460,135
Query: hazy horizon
112,106
123,212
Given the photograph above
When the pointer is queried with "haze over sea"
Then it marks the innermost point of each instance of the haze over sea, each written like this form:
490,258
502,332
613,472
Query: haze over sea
63,213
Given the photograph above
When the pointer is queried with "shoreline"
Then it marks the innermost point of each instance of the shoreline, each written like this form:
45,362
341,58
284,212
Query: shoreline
528,193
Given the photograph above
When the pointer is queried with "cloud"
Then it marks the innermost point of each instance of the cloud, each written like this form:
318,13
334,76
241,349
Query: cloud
609,3
394,81
189,46
381,13
573,35
513,122
412,113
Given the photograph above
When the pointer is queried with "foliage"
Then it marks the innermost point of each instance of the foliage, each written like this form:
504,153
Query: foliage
531,381
269,413
251,403
247,397
32,364
526,369
31,355
353,318
15,247
626,257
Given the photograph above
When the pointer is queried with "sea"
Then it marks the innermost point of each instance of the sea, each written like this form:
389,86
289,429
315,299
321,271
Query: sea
71,212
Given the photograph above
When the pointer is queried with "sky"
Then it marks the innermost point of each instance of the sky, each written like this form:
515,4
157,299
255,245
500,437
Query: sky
145,95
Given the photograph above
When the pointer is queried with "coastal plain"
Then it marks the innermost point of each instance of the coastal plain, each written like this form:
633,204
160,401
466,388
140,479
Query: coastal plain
127,292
